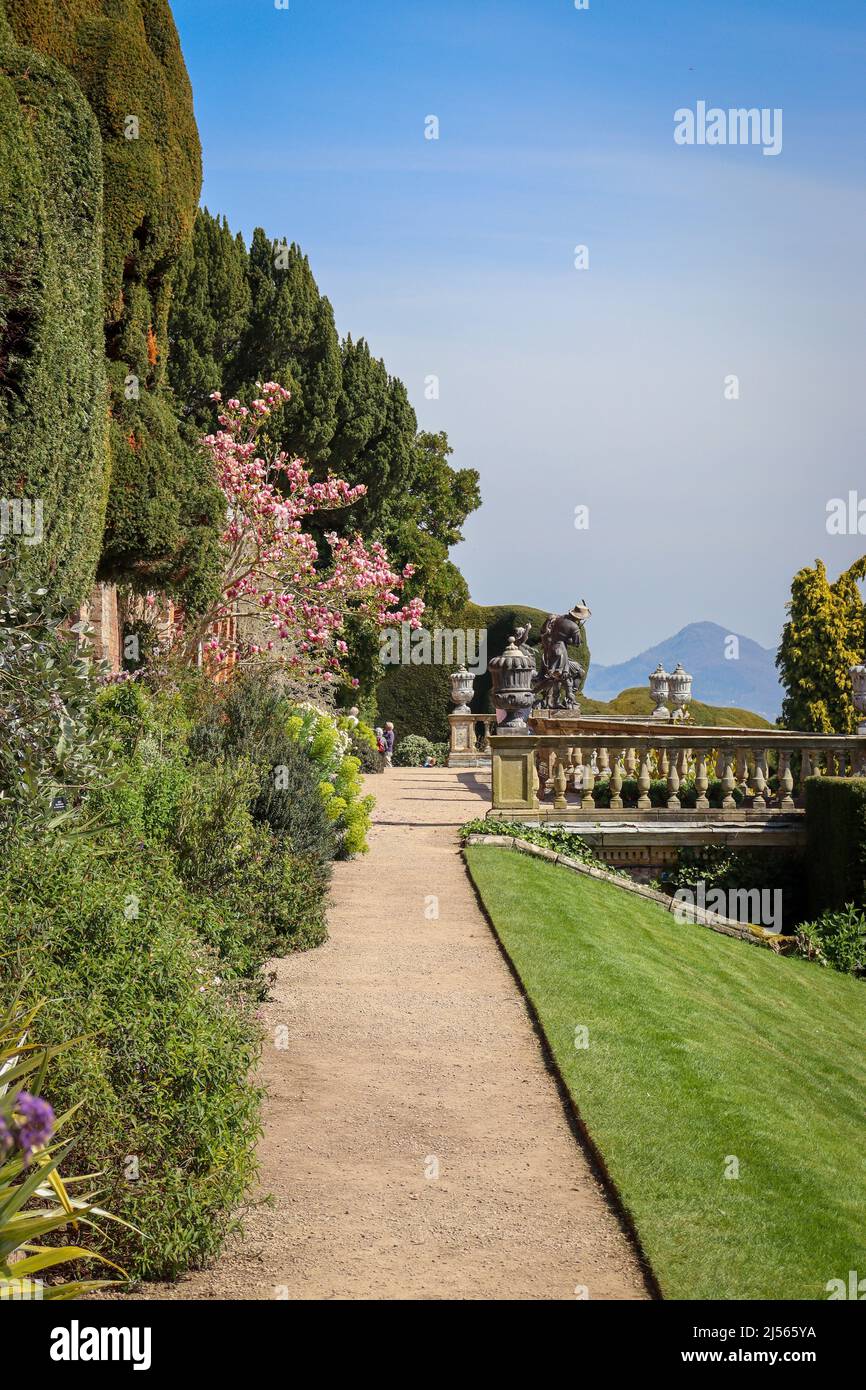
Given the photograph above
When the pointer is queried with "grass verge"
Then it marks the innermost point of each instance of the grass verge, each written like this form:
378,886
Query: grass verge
705,1057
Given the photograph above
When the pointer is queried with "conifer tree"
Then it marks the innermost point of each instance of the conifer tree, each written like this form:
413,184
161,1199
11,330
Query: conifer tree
825,636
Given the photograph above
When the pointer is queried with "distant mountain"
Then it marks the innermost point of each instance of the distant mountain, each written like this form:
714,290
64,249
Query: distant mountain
749,681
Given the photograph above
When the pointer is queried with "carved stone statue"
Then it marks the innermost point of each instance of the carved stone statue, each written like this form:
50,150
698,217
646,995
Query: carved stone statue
556,684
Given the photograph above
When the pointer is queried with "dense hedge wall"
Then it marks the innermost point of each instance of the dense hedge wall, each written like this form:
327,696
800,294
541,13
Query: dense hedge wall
836,841
125,56
53,401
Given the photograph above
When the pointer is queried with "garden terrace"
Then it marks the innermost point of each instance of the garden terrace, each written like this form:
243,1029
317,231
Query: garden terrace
640,793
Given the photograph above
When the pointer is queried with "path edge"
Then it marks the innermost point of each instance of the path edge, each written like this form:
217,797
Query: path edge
577,1124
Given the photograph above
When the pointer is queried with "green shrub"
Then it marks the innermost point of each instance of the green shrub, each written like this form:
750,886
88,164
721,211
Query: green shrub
168,1113
250,719
414,751
291,803
366,749
835,842
214,827
837,939
563,841
283,894
48,750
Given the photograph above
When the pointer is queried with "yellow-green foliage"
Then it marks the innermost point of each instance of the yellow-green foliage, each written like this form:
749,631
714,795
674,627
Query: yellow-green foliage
327,740
823,638
53,401
162,510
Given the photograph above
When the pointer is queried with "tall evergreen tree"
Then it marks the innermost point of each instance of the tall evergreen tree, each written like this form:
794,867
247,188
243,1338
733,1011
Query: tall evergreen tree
290,337
209,316
825,636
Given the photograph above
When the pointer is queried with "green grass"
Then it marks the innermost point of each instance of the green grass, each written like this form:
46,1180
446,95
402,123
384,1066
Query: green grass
637,702
700,1047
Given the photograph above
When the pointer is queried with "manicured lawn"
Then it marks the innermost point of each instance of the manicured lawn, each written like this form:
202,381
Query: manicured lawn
701,1049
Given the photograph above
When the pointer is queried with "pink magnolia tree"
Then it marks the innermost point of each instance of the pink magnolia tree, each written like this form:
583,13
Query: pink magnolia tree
271,567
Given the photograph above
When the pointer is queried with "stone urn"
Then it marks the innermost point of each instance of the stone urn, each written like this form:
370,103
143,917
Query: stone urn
659,684
858,682
462,689
680,690
511,686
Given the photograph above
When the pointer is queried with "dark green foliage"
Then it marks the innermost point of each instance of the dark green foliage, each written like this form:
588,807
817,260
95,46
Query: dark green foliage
247,719
164,1071
290,337
837,939
743,870
417,700
165,513
283,894
836,842
209,316
53,397
162,509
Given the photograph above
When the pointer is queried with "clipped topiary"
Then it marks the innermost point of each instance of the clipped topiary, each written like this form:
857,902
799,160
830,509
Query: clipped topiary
162,508
53,397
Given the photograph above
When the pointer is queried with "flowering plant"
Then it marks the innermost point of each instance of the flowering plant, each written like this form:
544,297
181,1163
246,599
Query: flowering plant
271,567
29,1173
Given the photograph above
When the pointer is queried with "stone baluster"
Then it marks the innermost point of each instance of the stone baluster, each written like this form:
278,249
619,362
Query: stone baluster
535,784
702,781
603,764
559,786
643,781
663,763
786,781
685,759
616,782
577,780
673,786
805,769
726,758
759,802
539,768
742,770
841,762
630,763
588,801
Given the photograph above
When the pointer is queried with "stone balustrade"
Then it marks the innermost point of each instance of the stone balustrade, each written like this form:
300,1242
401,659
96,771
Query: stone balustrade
607,772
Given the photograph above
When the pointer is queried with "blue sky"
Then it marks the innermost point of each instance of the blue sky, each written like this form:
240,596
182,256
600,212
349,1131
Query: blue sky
601,388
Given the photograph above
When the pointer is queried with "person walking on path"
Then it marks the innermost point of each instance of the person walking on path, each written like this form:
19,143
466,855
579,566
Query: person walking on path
389,744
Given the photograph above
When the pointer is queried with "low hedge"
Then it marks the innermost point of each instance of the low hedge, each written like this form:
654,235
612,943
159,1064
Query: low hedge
836,842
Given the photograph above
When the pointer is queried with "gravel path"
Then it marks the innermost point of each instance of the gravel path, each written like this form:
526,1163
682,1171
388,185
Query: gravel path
409,1053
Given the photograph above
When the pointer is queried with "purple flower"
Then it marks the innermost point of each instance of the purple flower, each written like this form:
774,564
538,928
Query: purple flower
35,1122
6,1139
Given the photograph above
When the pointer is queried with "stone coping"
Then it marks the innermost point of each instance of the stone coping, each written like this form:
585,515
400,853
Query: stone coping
756,936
